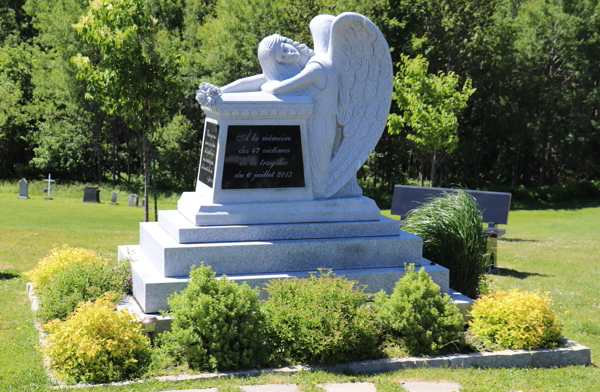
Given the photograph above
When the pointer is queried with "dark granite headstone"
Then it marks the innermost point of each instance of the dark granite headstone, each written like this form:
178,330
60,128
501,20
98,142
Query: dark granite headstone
208,156
91,194
133,200
23,189
263,156
113,199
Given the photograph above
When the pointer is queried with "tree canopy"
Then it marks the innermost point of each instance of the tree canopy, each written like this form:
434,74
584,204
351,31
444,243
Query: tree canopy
532,119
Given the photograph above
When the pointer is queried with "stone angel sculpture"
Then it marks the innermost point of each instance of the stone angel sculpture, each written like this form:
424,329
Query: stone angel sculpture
280,58
349,77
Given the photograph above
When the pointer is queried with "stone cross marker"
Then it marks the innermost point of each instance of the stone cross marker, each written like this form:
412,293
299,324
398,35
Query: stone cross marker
23,189
113,199
91,194
133,200
50,181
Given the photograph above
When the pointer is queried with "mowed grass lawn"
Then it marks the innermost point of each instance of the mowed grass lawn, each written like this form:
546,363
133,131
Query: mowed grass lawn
554,250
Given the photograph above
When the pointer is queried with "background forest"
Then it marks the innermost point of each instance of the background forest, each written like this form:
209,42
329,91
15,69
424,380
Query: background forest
533,120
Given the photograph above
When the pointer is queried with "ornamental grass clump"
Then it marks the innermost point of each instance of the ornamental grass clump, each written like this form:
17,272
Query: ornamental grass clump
321,320
515,320
452,230
97,343
58,260
418,317
217,324
78,283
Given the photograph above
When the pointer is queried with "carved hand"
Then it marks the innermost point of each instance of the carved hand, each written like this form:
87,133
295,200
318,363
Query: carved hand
270,86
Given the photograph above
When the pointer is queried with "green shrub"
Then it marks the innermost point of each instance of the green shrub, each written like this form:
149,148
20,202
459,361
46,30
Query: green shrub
418,316
97,344
78,283
217,324
58,260
515,319
321,320
452,230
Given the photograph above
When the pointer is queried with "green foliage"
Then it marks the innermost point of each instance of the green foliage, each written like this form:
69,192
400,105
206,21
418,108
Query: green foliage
97,344
178,149
417,316
555,193
429,105
79,283
515,319
217,324
16,89
321,320
131,68
452,230
59,260
137,72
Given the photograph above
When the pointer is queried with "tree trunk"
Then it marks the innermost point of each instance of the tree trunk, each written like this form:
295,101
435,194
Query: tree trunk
515,165
99,164
114,165
145,164
433,164
154,188
543,166
128,162
421,169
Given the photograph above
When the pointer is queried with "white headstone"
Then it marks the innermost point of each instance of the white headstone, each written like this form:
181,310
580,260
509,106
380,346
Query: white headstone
132,200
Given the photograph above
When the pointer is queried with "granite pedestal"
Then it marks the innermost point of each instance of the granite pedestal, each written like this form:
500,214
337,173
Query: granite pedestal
371,252
254,216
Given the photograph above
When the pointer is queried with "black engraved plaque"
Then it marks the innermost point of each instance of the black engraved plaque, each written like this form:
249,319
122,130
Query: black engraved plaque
208,156
263,156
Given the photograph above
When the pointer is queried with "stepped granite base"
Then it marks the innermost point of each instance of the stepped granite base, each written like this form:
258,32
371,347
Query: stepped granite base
372,252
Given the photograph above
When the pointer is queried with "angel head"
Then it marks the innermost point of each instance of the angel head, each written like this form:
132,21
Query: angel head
282,58
320,28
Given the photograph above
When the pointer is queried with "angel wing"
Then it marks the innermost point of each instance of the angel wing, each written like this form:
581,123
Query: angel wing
361,56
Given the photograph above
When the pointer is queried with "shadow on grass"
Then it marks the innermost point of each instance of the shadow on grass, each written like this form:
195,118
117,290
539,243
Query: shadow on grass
8,275
516,240
514,274
575,204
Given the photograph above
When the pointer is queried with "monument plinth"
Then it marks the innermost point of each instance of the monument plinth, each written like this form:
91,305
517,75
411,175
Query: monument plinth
276,194
255,166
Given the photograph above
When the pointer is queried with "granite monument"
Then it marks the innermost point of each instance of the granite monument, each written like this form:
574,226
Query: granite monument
276,193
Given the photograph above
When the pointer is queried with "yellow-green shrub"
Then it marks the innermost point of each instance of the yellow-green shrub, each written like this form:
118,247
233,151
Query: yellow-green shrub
59,259
97,343
516,319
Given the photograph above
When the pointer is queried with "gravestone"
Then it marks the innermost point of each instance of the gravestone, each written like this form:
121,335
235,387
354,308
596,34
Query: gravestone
91,194
143,203
23,189
113,199
132,200
276,193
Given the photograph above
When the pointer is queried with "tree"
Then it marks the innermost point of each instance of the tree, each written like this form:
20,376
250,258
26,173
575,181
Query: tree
133,76
429,105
